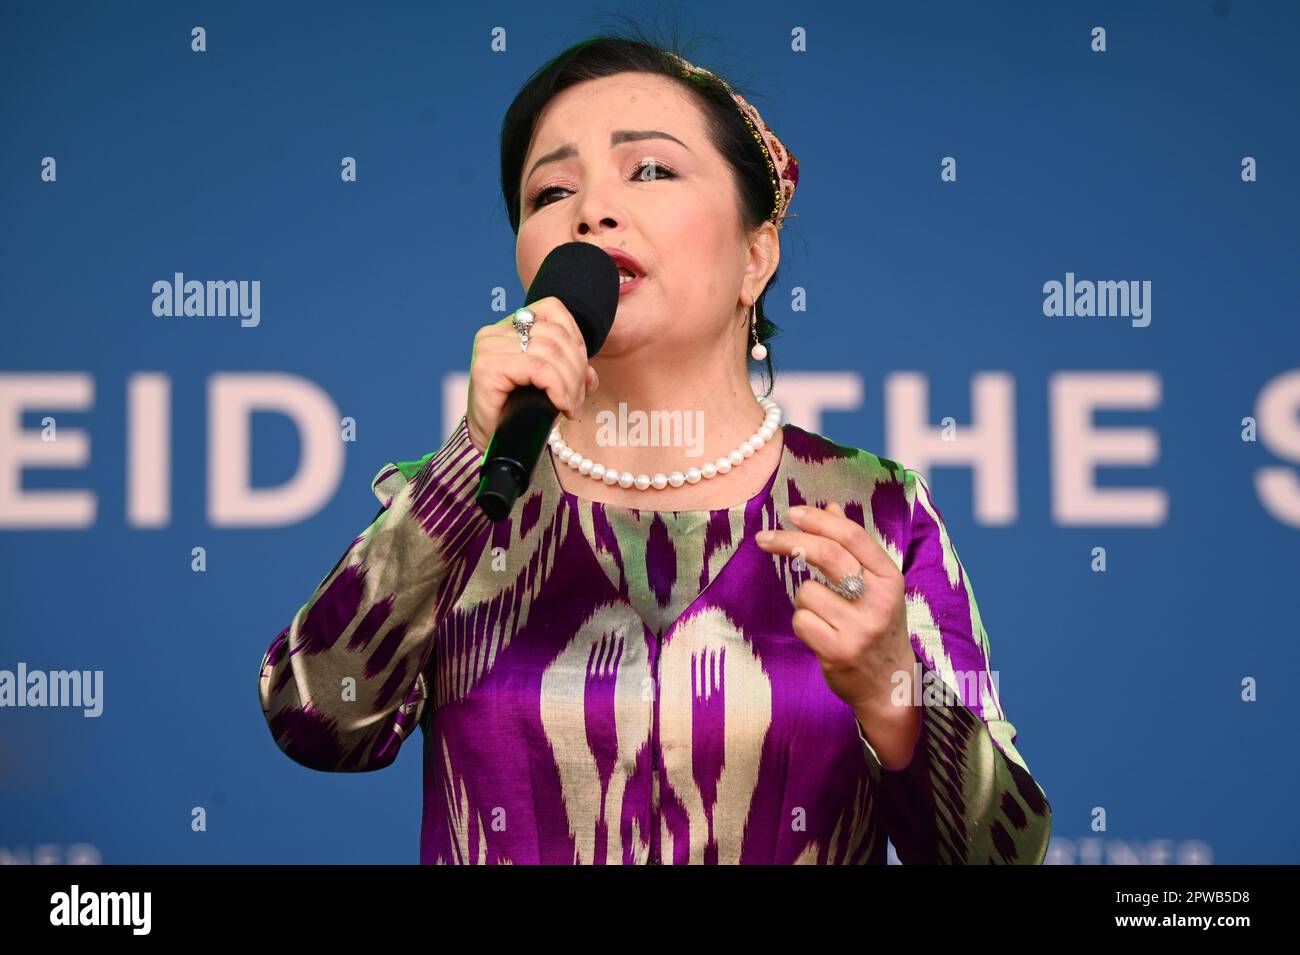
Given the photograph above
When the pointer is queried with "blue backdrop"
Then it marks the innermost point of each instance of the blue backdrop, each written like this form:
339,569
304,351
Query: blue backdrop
1150,698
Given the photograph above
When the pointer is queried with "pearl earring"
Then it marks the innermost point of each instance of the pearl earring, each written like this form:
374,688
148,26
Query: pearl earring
759,351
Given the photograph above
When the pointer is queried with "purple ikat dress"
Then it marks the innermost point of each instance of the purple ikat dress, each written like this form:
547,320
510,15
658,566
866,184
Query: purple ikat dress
599,684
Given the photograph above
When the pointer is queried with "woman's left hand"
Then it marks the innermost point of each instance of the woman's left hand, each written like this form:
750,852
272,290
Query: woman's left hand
861,643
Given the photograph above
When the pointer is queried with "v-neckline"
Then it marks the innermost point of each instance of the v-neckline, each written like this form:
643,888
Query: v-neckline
662,561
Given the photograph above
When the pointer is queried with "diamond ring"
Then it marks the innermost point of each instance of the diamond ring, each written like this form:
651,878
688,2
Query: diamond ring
850,587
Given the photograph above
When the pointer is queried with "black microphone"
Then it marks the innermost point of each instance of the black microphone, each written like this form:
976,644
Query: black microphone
585,279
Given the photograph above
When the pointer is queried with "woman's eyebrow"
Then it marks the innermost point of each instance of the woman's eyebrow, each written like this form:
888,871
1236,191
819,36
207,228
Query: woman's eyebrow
569,150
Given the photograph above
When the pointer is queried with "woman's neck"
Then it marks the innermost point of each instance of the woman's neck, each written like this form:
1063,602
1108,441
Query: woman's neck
646,420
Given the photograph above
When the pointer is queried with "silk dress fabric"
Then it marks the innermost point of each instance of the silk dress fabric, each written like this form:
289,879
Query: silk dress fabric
599,684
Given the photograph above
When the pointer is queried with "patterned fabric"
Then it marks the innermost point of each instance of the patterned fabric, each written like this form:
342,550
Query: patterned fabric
600,684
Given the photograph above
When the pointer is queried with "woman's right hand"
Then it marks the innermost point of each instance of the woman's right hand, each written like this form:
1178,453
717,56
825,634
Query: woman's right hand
556,362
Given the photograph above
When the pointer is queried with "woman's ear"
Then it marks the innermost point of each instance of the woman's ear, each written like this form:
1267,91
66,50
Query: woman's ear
764,257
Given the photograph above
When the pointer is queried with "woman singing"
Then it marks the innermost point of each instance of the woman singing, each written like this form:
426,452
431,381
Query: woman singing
767,652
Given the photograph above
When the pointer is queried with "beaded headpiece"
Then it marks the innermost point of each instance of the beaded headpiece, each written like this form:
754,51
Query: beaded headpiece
782,167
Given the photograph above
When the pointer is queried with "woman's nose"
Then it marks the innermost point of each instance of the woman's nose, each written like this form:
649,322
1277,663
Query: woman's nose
606,222
595,210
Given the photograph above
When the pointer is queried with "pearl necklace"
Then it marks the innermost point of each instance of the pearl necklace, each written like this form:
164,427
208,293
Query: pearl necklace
642,482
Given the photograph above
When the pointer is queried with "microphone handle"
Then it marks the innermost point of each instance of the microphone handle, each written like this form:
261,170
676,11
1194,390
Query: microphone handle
511,456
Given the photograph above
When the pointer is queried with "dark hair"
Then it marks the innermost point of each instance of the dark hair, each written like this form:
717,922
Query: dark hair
609,53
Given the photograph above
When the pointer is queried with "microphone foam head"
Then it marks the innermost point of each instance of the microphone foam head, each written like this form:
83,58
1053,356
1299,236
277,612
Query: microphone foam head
585,279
